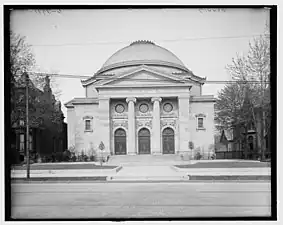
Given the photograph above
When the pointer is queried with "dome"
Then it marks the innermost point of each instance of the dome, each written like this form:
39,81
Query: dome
142,52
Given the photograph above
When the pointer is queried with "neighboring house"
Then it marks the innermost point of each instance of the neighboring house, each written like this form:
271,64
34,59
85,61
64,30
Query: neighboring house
48,132
243,139
143,100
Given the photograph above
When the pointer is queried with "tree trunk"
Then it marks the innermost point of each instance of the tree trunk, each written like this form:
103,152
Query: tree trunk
262,135
246,142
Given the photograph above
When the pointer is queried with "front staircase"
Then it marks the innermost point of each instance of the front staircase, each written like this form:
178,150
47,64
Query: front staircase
146,160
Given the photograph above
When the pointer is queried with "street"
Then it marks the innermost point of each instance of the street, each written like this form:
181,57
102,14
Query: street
134,200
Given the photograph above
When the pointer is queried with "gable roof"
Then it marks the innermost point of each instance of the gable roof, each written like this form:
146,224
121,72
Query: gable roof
140,69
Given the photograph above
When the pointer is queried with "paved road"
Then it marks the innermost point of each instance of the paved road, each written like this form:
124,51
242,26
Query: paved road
134,200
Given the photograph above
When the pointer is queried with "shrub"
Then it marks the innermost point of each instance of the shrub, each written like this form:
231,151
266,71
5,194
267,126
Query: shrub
46,159
198,156
191,145
66,156
92,158
74,158
59,156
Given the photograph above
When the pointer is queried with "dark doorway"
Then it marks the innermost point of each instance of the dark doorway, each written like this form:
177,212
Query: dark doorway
144,141
168,142
120,142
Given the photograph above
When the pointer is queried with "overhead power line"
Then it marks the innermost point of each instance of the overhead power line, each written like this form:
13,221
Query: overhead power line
84,77
127,42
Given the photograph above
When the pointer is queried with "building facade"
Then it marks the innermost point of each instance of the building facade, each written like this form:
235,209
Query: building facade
142,101
47,129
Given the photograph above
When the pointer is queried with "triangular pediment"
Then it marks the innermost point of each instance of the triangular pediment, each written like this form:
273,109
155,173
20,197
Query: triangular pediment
142,76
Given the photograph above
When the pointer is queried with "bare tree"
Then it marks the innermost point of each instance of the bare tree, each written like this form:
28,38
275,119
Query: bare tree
22,60
252,73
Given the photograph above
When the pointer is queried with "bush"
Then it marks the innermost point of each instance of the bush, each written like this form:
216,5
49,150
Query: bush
14,156
59,156
92,158
191,145
74,158
66,156
198,156
47,159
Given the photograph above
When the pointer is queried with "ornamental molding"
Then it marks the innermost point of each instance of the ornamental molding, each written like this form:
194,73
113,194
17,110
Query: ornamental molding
131,99
143,123
123,123
158,99
87,117
164,123
200,115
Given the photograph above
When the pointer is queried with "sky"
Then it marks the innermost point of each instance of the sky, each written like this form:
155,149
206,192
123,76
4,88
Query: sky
78,42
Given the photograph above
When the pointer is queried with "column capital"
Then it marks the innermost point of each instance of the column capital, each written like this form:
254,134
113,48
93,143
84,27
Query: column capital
131,99
153,99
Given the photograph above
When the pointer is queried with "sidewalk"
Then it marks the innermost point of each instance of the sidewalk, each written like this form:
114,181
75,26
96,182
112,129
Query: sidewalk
65,173
148,173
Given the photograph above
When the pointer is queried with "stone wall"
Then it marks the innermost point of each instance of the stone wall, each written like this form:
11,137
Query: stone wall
202,138
80,138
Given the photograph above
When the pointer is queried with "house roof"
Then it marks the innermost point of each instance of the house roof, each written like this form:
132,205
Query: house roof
81,101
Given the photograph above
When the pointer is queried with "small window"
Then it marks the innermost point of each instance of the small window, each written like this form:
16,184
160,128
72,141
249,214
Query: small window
30,142
22,142
87,125
22,122
200,123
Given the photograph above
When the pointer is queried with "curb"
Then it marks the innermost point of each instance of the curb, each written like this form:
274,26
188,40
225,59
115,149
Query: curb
232,177
195,179
46,179
46,174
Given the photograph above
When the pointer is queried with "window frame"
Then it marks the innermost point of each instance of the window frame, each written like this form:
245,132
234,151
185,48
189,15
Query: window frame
200,116
90,119
198,123
22,143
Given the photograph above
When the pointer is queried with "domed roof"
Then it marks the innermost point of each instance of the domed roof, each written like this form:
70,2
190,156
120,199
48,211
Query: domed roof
143,52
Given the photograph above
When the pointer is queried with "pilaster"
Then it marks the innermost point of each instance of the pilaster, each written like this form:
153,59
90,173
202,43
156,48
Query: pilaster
104,122
184,133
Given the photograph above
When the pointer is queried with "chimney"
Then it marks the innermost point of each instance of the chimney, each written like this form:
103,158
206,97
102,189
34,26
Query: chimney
47,89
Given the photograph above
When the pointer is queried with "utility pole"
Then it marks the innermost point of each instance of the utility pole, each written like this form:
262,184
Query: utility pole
262,119
27,127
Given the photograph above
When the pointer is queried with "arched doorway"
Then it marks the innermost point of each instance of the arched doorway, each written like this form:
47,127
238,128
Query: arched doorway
168,142
144,141
120,145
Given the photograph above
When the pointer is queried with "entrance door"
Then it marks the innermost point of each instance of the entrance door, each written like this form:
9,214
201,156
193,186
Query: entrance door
144,141
120,142
168,142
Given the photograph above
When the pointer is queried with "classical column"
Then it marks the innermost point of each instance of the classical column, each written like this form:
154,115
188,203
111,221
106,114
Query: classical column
156,126
131,139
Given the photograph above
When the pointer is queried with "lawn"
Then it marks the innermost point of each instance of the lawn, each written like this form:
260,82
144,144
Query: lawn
225,165
62,167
